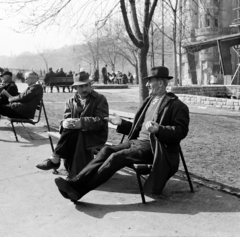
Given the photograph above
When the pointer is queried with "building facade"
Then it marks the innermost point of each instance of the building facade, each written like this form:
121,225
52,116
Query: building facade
206,20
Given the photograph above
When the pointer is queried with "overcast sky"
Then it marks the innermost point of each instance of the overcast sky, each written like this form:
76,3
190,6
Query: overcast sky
13,43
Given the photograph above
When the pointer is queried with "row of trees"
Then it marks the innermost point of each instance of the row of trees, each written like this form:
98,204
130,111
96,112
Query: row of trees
142,24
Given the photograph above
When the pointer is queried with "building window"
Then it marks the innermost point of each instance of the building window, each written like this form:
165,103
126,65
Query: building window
215,21
207,18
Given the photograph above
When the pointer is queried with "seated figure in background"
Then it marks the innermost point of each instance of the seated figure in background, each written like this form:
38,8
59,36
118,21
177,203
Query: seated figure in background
25,104
49,80
83,128
7,85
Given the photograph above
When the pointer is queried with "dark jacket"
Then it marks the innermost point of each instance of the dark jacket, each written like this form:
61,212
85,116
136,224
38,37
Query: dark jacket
94,131
26,103
173,119
11,88
48,77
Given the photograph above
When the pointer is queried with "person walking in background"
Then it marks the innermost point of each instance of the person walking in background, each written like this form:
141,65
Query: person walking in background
96,75
130,78
104,74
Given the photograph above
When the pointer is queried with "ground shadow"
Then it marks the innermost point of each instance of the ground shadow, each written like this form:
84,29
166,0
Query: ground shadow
175,199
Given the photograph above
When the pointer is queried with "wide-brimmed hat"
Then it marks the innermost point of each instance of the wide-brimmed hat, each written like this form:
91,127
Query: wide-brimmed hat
159,72
80,78
6,73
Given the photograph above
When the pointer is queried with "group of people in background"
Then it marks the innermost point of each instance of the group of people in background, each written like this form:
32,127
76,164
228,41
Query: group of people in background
116,77
51,75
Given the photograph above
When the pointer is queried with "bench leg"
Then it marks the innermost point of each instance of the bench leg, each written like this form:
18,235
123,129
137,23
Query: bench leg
140,187
14,131
186,170
51,143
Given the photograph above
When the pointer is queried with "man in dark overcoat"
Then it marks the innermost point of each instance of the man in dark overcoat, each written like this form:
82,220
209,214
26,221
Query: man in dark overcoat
153,138
83,128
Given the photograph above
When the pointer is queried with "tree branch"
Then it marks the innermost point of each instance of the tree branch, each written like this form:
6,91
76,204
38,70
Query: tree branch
138,44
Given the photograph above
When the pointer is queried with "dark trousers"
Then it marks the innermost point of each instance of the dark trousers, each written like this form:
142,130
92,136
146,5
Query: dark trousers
66,146
108,161
51,87
6,110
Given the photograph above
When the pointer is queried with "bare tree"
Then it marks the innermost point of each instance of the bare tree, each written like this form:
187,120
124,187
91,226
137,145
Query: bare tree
56,12
44,54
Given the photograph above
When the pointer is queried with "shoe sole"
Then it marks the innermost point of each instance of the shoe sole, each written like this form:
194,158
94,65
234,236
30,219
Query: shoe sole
65,187
48,168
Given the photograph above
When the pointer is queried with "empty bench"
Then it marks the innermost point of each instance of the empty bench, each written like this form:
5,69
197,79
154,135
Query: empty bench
141,170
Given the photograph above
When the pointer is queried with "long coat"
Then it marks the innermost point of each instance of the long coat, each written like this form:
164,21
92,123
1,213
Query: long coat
26,103
94,131
173,118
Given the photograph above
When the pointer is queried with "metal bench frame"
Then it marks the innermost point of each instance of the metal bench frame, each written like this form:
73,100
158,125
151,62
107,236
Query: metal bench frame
40,107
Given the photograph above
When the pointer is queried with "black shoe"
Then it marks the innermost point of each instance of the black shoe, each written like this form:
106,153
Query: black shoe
47,165
64,187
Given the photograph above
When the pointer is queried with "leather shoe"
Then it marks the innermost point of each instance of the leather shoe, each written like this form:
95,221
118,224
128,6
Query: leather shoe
65,187
47,165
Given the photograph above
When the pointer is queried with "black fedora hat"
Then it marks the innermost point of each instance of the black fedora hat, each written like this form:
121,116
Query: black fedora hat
80,78
6,73
159,72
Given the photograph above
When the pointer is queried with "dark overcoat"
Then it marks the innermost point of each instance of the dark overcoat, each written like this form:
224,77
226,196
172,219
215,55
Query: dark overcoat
11,88
94,131
172,115
26,102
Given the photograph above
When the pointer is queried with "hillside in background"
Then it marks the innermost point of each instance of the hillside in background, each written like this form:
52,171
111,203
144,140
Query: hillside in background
67,59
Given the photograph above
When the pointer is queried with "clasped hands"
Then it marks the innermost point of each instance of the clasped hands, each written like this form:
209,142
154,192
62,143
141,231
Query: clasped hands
71,123
151,126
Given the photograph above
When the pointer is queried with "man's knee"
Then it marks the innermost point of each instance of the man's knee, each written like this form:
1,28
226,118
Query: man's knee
116,160
105,151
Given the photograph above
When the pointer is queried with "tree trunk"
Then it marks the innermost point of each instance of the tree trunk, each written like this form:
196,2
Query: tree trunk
142,72
175,49
137,75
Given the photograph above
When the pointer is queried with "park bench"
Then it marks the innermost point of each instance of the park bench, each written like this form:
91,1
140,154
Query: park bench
60,81
34,121
141,170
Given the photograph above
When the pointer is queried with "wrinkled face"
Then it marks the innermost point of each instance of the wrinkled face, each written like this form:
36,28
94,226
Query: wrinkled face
30,80
84,90
154,85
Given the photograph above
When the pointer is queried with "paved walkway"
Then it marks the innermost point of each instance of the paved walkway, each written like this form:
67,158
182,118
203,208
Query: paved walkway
32,206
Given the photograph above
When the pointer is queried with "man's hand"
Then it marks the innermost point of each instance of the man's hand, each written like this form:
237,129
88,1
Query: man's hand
152,126
116,120
70,123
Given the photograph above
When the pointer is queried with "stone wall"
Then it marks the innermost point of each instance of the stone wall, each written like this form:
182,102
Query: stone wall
220,103
222,91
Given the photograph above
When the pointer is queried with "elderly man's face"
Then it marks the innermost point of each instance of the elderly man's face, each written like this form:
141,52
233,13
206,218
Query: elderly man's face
84,90
154,85
30,80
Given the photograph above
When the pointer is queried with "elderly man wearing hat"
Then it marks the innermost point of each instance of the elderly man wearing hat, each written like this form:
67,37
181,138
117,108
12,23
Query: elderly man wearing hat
25,104
153,138
83,128
7,85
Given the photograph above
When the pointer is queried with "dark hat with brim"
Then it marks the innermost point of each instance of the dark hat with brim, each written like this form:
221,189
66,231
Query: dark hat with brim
80,78
159,72
6,73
